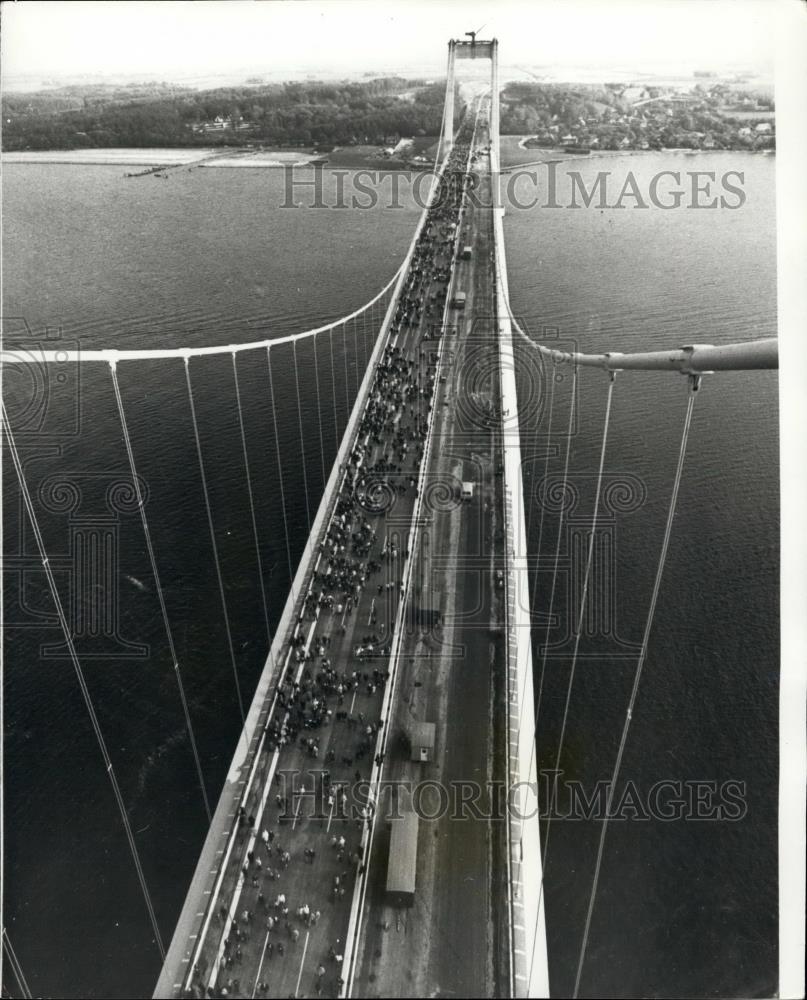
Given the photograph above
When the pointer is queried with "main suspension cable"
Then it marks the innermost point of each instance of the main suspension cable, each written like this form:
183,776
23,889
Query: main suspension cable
213,542
85,691
141,506
694,383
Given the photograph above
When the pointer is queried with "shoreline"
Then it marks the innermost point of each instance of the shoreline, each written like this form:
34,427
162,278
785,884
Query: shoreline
272,159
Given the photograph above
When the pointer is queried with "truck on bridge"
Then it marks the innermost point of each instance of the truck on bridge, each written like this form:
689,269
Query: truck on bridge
403,855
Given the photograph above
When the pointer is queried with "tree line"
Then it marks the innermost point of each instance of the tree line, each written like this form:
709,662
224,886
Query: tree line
299,113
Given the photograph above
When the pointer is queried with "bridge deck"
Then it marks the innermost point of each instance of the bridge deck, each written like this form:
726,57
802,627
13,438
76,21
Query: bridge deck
454,939
279,920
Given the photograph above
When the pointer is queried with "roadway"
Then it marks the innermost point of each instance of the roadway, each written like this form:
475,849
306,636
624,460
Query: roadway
255,941
453,941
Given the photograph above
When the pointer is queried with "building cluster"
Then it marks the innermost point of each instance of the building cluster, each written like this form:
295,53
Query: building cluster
659,118
232,123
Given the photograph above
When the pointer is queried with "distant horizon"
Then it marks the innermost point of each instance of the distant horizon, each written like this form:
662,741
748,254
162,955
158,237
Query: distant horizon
582,75
179,40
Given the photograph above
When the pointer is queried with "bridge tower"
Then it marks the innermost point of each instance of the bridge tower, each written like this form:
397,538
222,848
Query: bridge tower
473,49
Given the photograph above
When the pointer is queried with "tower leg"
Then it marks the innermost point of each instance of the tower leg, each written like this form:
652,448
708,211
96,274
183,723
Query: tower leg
494,97
448,129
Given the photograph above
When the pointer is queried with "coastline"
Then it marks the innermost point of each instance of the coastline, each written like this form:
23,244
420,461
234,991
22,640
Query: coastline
125,157
268,158
120,156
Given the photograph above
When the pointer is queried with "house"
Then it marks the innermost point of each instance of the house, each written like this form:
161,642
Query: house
763,127
744,131
220,124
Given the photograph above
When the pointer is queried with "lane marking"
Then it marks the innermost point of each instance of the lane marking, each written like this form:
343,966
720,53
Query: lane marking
260,965
302,962
297,807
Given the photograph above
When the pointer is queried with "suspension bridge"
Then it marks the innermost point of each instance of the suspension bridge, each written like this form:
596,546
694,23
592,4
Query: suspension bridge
400,570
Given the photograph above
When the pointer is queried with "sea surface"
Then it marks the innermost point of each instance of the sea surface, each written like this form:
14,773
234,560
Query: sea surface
685,906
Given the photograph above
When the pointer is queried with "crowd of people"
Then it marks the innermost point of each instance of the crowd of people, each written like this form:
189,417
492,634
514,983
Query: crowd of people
328,676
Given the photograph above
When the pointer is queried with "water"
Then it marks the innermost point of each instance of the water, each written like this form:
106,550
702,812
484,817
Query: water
683,907
208,257
205,257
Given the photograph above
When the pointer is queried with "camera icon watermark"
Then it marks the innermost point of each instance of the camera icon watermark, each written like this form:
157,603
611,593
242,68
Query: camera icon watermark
88,566
41,384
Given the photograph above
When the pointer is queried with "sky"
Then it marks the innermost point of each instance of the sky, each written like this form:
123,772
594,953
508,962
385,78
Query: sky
204,38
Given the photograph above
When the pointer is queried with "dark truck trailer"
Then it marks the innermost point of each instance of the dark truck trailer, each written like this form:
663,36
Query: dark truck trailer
403,855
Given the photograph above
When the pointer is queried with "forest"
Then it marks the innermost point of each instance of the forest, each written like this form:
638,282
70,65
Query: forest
379,111
294,114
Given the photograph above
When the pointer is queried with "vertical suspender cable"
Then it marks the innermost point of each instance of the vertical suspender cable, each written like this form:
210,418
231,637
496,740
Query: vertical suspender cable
364,338
280,471
373,328
319,417
344,361
558,542
546,472
356,355
15,965
85,691
578,631
213,543
251,503
141,506
694,382
333,385
584,592
302,439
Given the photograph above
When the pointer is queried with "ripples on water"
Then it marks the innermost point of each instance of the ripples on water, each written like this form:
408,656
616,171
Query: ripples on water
683,908
208,257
